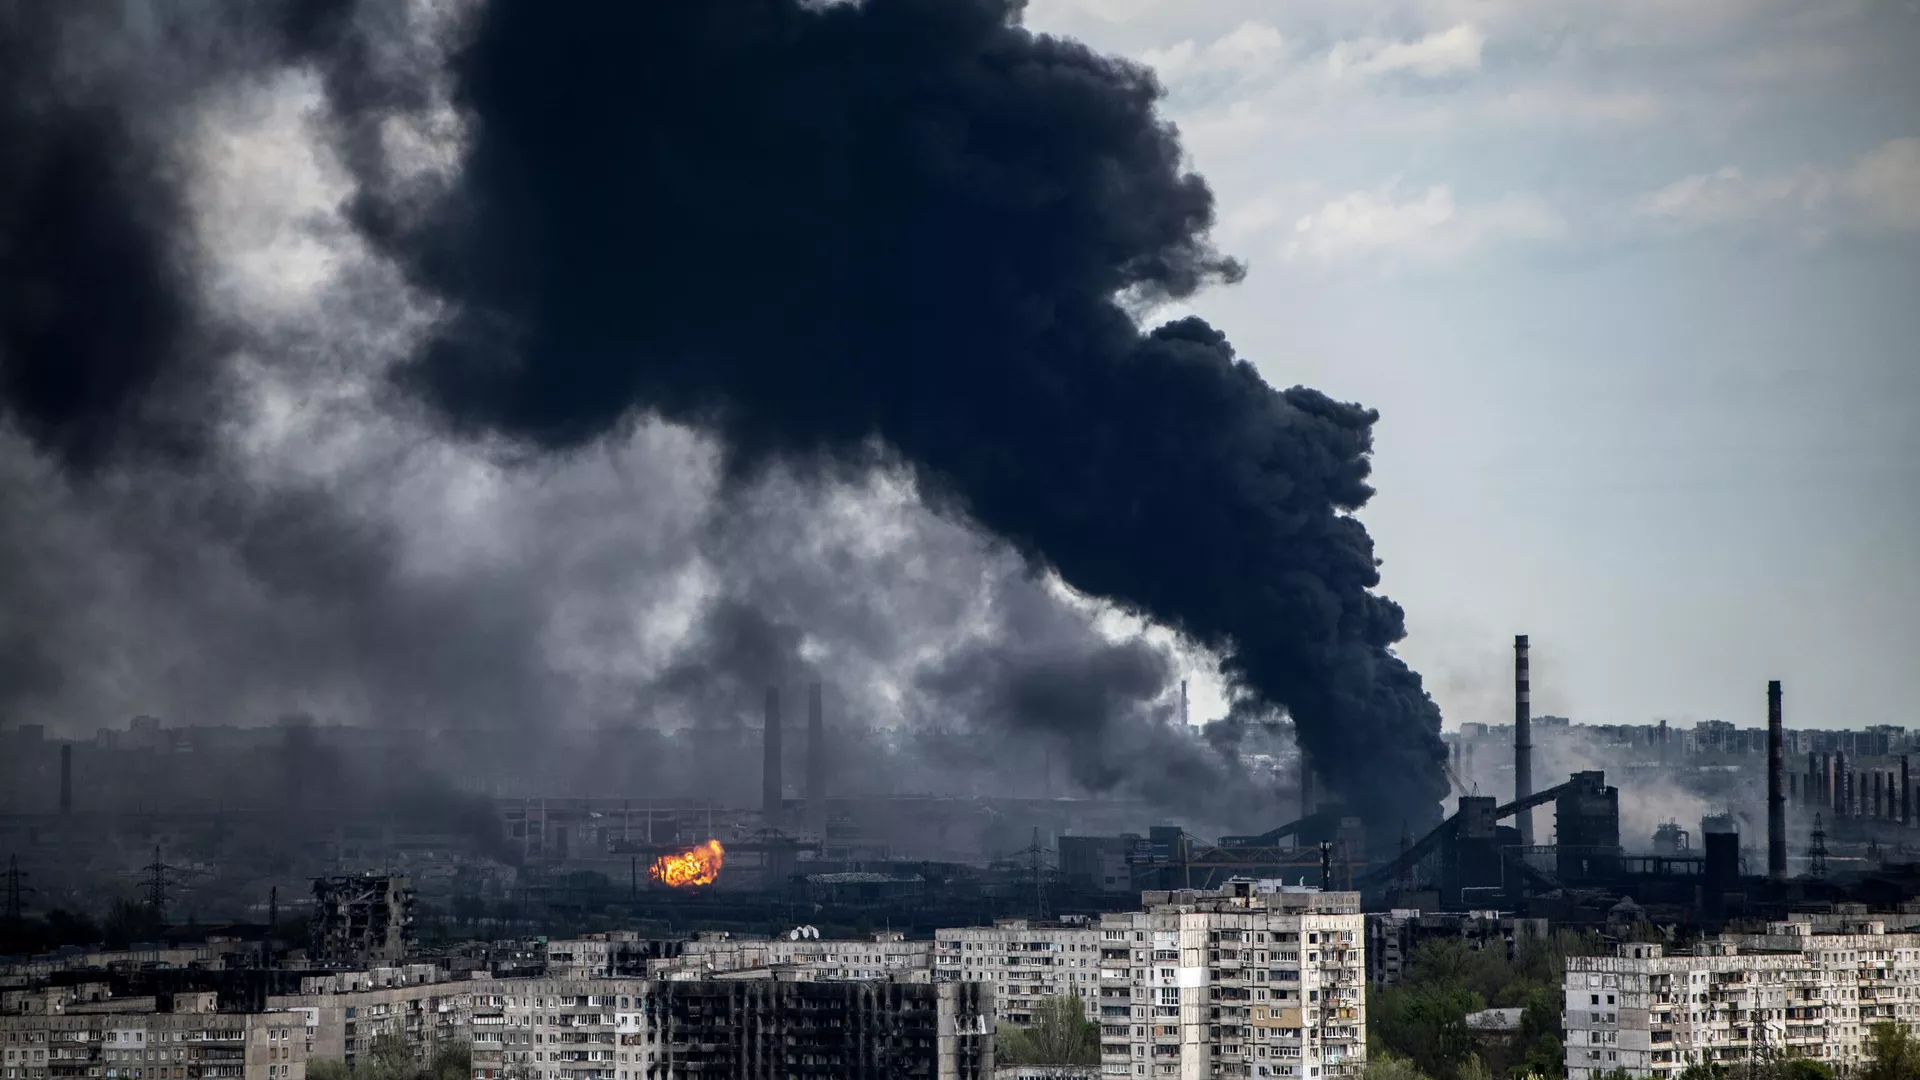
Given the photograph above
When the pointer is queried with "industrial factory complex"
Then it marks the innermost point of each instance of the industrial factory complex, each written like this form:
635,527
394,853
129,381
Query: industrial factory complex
1744,891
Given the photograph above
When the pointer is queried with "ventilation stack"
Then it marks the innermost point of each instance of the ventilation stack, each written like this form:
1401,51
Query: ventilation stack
770,776
66,778
816,765
1522,738
1906,791
1776,780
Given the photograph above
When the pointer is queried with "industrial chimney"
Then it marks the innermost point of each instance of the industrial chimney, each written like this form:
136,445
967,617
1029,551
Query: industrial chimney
66,778
770,776
816,764
1776,780
1906,791
1522,737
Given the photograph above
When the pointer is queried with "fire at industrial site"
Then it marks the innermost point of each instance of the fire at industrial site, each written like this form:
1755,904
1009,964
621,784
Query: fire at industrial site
698,865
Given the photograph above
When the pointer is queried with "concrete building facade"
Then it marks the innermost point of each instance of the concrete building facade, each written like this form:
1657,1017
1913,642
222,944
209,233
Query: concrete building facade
1253,980
128,1040
1800,989
887,955
1393,936
362,920
782,1025
1025,962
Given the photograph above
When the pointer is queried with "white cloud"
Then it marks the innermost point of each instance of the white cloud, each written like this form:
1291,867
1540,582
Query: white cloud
1879,189
1248,47
1554,103
1729,195
1446,52
1885,184
1427,227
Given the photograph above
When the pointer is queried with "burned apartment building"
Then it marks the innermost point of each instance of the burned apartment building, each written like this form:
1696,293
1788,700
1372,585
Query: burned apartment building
755,1025
1393,937
362,920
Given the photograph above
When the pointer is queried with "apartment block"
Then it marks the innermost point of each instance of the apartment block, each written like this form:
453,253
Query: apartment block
1253,980
886,955
128,1039
362,920
344,1014
1802,988
775,1025
1393,936
1024,962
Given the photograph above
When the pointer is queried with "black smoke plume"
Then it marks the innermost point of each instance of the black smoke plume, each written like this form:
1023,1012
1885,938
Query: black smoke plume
103,353
806,226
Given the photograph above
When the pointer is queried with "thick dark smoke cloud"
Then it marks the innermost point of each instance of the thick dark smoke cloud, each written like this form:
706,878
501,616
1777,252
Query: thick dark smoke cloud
216,514
102,351
807,226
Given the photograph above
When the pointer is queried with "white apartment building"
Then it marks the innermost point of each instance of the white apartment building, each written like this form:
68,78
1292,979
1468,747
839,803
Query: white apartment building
1802,988
1254,980
1025,962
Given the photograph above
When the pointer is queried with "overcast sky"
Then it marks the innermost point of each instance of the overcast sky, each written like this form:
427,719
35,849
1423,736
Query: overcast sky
1636,288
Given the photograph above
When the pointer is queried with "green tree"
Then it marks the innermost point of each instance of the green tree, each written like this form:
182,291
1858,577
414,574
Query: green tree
390,1058
1799,1068
1060,1034
1425,1023
453,1061
1892,1054
1389,1066
327,1069
1703,1070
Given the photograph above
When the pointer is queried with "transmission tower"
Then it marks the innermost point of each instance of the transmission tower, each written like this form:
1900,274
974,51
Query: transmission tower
15,890
1036,864
160,884
1817,853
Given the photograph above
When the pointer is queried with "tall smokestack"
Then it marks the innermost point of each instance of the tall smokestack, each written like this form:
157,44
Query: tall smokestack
66,778
1522,737
1906,791
816,764
770,776
1776,780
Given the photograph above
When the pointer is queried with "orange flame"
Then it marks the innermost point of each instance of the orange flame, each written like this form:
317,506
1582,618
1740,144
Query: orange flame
698,865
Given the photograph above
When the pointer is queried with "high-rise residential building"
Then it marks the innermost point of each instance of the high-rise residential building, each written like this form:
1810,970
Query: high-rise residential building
1253,980
1804,988
1025,962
